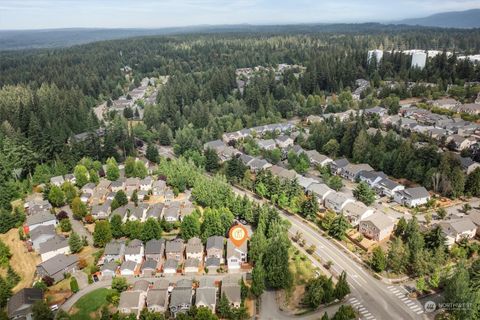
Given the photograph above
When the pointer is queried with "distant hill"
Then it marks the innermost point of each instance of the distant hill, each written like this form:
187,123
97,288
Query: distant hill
454,19
58,38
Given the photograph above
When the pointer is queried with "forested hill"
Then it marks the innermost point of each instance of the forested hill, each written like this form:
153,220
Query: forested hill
458,19
57,38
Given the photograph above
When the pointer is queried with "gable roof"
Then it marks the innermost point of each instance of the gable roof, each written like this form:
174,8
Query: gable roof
174,245
129,299
206,296
380,220
39,218
114,247
194,245
157,297
180,296
41,231
22,300
58,263
340,163
415,193
458,226
55,243
155,246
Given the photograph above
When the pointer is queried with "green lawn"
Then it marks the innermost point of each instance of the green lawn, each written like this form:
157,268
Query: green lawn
89,303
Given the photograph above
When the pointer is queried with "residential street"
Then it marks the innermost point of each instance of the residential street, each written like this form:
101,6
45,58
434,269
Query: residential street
77,226
371,297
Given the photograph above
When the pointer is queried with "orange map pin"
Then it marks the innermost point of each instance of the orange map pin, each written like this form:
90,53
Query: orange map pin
238,234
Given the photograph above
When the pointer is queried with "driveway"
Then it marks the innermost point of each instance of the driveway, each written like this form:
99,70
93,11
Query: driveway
77,226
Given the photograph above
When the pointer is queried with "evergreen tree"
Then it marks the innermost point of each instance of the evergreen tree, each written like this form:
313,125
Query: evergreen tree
378,260
275,262
364,193
113,173
309,207
165,136
342,288
81,175
40,311
152,153
339,227
79,209
116,226
75,243
190,227
212,161
56,196
258,279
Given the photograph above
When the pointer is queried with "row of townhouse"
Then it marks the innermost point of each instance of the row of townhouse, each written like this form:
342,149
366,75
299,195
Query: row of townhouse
179,297
170,211
171,257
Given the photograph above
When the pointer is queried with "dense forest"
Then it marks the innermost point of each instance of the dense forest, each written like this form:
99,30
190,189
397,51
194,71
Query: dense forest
47,95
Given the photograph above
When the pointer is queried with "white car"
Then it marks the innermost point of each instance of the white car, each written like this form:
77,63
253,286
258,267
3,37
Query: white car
54,307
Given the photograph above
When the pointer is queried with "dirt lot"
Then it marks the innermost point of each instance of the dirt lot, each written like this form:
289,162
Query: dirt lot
22,262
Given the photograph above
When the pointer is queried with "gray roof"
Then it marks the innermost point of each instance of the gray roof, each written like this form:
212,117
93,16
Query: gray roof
415,193
217,242
232,292
134,247
155,246
340,163
141,285
39,218
157,297
184,283
155,211
171,211
150,264
174,245
42,230
53,244
192,263
245,158
170,264
258,163
180,296
216,144
212,262
319,189
58,263
388,184
22,300
206,296
110,266
233,250
128,265
161,284
206,282
114,247
372,175
129,299
457,226
194,245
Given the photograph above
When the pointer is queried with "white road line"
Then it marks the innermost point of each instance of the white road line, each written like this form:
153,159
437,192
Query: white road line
410,303
416,308
404,299
362,309
400,294
370,317
420,312
353,299
364,312
395,290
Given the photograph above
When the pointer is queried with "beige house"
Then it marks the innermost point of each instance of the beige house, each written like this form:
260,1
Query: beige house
377,226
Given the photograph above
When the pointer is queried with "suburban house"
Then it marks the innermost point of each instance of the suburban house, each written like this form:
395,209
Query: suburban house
266,144
336,201
54,246
236,256
19,306
172,212
460,143
320,190
206,297
169,196
157,300
468,165
155,211
109,269
114,251
232,290
128,268
101,211
57,266
457,229
41,234
158,187
317,159
259,164
445,103
146,184
377,226
387,187
88,188
135,251
170,266
117,185
212,264
215,247
352,171
412,197
132,302
194,249
337,165
192,265
356,211
149,267
44,218
180,300
154,249
372,178
174,249
305,182
284,142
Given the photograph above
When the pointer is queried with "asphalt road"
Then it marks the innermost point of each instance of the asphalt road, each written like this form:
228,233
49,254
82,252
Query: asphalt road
372,298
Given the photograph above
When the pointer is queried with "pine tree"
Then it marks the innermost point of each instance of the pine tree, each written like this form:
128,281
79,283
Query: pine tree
378,260
152,153
342,288
75,243
116,226
102,234
212,161
258,279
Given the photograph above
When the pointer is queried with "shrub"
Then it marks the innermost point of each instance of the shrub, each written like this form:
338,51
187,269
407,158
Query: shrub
74,285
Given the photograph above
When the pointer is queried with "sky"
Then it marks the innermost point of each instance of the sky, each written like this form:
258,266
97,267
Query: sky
43,14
